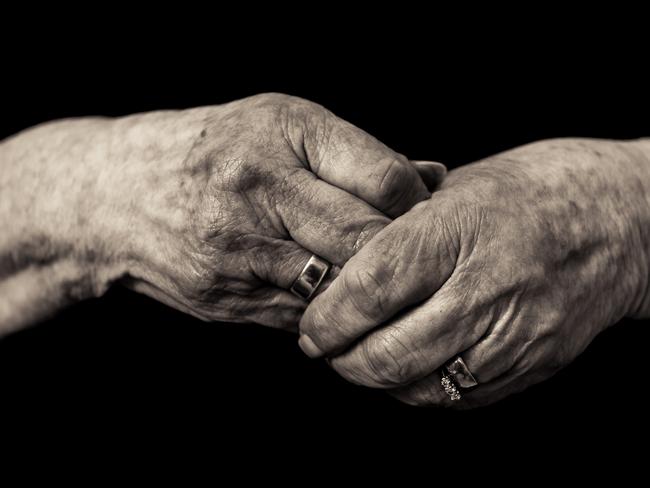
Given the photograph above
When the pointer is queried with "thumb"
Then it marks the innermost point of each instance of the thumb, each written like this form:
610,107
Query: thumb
406,263
349,158
431,172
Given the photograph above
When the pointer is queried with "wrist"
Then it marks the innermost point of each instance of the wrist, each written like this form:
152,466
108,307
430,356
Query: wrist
606,184
144,205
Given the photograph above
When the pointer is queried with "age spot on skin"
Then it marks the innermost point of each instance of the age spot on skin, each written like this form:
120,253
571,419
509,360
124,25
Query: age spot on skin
202,167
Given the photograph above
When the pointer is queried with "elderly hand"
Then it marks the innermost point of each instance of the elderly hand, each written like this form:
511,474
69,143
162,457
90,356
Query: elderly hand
213,210
515,265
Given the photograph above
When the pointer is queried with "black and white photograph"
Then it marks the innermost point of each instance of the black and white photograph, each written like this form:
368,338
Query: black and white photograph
370,245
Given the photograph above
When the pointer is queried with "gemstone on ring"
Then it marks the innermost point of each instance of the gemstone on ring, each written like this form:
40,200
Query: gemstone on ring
450,387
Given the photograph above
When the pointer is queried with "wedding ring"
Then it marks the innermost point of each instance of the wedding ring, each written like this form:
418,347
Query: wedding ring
310,277
461,374
454,375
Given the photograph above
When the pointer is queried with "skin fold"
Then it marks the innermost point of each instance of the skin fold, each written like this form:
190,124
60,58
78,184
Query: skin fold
213,210
515,264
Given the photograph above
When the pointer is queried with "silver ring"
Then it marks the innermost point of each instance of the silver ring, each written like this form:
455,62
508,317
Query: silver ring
310,277
461,374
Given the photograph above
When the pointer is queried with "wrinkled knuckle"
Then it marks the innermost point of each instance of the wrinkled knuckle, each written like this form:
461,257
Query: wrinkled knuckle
365,289
312,320
266,108
367,232
279,110
323,327
385,364
305,125
294,106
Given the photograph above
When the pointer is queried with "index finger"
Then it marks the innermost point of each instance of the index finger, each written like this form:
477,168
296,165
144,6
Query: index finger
353,160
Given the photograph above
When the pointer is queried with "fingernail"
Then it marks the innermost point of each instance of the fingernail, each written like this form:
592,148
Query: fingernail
432,173
308,347
439,168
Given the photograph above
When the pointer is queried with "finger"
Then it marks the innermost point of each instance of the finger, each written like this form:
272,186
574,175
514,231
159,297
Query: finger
324,219
417,343
404,264
432,173
476,326
278,262
349,158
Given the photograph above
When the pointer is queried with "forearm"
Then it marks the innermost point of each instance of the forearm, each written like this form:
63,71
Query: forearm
85,202
47,259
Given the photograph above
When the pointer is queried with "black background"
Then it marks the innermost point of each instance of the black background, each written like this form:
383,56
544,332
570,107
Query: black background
124,368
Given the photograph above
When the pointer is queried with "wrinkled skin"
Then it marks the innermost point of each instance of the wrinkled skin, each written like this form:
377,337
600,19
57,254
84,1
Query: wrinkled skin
213,210
515,264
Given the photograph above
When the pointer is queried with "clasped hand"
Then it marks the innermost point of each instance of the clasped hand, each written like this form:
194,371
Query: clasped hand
514,263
